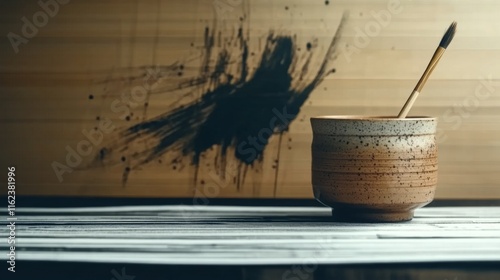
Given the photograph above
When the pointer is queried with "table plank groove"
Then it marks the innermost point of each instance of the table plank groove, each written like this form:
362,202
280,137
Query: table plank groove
216,235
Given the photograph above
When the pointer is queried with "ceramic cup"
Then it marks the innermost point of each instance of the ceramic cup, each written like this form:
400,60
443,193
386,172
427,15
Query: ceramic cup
374,169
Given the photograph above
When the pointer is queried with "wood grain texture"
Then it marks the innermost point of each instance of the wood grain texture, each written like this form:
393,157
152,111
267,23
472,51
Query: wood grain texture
93,48
225,235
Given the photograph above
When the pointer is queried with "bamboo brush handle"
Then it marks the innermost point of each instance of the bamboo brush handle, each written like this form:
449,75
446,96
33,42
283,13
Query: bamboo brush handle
409,102
430,67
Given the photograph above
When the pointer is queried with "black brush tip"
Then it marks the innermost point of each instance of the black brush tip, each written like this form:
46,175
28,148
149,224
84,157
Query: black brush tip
448,36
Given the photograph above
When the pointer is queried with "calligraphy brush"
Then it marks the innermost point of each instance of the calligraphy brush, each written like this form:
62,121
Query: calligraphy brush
445,41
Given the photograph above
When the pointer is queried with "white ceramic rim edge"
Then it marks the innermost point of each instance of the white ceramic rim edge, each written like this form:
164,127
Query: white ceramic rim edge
372,118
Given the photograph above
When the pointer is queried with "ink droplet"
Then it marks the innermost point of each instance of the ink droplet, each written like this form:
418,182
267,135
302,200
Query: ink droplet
91,96
308,46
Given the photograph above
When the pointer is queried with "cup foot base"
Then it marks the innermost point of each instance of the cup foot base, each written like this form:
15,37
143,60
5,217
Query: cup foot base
350,215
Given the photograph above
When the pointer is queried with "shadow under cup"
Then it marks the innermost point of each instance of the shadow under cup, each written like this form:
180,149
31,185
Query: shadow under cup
374,169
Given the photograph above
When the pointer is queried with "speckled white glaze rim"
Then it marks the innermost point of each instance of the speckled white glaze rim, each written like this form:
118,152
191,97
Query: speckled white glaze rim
372,118
373,125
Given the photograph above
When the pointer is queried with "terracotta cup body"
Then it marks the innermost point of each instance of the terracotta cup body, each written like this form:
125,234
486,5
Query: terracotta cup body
374,169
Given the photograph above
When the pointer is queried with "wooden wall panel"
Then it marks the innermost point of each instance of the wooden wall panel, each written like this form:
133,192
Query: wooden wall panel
94,49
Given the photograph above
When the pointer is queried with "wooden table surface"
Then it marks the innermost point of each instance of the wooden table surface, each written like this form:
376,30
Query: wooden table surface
228,235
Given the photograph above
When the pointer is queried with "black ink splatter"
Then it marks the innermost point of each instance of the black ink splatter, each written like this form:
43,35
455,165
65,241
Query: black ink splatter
239,108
